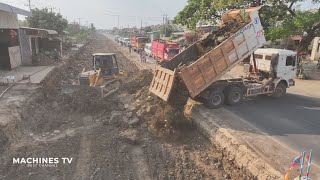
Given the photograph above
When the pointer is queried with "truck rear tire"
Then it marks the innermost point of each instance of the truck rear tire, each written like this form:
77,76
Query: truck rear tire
234,95
280,90
215,100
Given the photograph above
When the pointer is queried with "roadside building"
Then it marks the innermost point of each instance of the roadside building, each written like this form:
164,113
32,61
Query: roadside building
35,40
10,52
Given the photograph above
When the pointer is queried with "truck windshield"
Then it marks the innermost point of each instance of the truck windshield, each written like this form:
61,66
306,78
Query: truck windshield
172,51
142,40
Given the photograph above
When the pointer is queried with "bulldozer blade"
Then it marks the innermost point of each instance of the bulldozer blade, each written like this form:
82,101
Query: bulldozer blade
110,87
70,89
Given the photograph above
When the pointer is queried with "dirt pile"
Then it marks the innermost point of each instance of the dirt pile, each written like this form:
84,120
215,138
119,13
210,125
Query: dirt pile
203,46
110,138
215,38
162,117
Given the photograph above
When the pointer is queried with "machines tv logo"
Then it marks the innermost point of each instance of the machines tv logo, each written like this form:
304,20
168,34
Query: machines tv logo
42,162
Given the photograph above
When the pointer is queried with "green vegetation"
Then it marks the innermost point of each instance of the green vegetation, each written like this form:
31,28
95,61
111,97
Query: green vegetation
45,19
75,34
279,18
71,32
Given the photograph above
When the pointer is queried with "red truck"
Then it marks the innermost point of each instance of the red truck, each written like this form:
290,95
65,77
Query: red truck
164,50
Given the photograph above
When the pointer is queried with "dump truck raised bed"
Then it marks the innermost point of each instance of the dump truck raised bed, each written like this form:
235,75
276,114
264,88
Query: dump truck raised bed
202,64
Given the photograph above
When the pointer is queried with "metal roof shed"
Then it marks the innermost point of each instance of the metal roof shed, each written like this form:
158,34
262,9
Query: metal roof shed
8,16
14,10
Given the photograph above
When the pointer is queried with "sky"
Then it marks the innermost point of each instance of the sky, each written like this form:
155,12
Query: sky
131,12
104,13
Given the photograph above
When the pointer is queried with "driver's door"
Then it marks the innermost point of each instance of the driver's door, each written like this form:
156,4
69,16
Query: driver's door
115,68
288,69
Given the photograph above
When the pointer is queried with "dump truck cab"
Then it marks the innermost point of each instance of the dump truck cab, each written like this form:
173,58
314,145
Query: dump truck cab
279,64
139,41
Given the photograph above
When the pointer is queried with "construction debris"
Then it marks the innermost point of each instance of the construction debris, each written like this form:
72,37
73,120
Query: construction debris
106,138
204,45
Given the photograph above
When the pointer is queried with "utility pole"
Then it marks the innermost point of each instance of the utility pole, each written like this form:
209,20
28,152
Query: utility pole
165,21
118,21
141,27
80,22
30,5
87,24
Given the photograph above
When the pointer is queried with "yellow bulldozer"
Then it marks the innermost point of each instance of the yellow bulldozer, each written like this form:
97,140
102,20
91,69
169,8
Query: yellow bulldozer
103,76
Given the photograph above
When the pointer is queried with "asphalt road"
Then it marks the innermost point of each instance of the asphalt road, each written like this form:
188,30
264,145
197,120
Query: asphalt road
293,120
149,59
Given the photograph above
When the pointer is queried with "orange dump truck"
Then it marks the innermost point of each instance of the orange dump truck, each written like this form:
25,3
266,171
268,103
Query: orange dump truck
139,41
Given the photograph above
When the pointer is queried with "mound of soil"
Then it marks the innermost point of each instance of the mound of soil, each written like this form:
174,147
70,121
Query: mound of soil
110,138
164,118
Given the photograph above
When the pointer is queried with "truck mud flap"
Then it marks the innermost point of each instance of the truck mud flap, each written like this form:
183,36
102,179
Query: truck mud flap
162,82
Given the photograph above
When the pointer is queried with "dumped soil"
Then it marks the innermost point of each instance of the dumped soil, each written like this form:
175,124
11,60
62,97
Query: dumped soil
203,46
129,135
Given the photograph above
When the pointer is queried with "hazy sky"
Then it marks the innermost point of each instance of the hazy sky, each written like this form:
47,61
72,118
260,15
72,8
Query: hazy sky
150,11
131,11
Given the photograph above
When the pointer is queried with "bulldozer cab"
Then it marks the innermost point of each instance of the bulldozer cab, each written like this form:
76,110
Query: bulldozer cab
107,62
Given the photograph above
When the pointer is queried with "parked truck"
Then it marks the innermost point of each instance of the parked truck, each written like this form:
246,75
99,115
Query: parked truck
200,70
154,35
164,50
139,41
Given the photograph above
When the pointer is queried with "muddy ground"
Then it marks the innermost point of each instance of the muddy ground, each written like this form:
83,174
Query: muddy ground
130,135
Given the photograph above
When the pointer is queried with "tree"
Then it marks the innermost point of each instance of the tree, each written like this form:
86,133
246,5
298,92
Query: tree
195,11
192,37
23,23
166,30
148,29
73,28
92,28
45,19
273,13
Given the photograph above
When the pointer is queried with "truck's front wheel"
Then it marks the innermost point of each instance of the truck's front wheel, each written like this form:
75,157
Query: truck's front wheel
215,100
280,90
234,95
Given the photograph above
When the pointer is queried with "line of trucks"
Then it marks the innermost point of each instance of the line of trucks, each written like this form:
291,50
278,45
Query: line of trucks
199,67
152,46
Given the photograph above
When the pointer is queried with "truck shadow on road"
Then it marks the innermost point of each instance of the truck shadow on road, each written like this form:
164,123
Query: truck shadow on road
292,114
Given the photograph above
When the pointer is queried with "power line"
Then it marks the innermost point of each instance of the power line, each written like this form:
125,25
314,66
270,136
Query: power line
115,16
150,18
131,16
165,22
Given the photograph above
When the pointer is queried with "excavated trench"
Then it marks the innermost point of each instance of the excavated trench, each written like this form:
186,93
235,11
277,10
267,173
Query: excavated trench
130,135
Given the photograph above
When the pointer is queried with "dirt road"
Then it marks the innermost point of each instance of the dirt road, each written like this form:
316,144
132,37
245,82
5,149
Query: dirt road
114,138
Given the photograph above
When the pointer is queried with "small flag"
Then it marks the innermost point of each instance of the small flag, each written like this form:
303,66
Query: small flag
302,164
309,163
295,161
